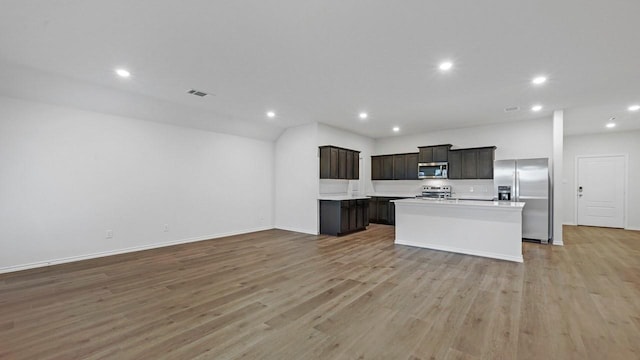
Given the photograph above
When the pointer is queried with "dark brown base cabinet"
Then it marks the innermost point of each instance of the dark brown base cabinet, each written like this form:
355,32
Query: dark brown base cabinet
339,217
382,210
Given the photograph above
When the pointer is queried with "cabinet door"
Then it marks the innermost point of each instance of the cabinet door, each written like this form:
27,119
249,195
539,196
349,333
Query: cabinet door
399,167
361,214
440,153
366,212
469,164
333,160
411,167
325,163
376,168
455,165
356,165
383,210
349,165
485,163
344,216
373,210
392,212
342,164
426,155
353,215
387,167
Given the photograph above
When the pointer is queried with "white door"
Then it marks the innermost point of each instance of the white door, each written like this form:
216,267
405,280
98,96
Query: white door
601,191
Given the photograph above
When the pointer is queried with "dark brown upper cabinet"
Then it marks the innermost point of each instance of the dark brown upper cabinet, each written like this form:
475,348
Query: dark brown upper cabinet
437,153
339,163
475,163
426,154
486,156
387,167
399,167
469,164
382,167
376,168
356,164
455,164
411,166
395,167
342,164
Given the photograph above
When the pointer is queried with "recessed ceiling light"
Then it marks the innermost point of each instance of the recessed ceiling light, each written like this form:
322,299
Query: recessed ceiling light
634,108
363,115
271,114
445,65
611,125
396,129
538,80
536,108
123,73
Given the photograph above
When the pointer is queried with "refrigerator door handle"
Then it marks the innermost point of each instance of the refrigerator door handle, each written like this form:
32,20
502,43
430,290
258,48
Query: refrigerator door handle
513,183
517,186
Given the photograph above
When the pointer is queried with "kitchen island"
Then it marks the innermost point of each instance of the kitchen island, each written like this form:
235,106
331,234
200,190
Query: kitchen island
482,228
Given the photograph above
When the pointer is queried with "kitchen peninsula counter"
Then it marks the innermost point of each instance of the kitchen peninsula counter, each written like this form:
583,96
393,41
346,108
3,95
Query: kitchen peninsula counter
482,228
340,197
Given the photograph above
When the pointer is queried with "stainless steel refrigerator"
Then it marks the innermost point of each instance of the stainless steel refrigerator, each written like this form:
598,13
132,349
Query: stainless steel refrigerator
526,180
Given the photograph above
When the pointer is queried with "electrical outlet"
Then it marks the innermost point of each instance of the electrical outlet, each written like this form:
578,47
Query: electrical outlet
109,234
165,228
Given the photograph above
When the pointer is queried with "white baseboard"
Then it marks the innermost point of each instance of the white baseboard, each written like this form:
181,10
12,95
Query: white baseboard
570,223
69,259
557,242
304,231
462,251
632,228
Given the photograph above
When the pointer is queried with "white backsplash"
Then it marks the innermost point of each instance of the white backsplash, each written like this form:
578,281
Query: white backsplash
482,189
339,187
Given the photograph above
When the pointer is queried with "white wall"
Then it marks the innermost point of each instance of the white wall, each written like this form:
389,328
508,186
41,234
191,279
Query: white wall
518,140
67,176
296,179
603,144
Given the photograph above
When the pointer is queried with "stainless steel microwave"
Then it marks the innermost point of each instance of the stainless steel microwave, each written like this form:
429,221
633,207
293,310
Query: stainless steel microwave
436,170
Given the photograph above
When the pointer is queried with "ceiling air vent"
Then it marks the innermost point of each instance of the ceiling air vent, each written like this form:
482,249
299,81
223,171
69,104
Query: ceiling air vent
197,93
511,109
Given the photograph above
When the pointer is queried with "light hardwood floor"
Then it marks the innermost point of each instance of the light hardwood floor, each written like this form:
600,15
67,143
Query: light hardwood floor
282,295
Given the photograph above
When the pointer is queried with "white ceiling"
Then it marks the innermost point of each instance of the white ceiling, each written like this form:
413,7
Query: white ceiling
321,60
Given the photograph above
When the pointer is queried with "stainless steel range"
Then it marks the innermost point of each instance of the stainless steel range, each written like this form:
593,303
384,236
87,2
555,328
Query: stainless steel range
436,192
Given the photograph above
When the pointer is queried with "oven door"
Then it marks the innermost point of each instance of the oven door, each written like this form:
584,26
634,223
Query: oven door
432,170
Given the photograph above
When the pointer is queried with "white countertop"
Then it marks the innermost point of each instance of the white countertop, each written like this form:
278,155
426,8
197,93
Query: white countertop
413,195
463,203
338,197
401,195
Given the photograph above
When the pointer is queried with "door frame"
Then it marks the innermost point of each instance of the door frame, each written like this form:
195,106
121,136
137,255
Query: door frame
625,187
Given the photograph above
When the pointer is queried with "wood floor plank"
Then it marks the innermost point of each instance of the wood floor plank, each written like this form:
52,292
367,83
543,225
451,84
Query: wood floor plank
283,295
